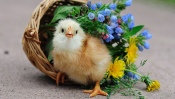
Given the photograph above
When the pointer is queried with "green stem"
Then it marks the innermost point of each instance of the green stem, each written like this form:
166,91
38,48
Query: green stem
133,72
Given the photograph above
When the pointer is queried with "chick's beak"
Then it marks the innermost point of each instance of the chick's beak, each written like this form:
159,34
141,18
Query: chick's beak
69,32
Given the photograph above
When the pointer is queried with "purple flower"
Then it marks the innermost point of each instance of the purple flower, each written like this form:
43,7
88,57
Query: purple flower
146,45
91,16
140,48
99,4
113,19
119,30
131,25
88,4
101,18
93,7
109,29
110,38
128,3
112,6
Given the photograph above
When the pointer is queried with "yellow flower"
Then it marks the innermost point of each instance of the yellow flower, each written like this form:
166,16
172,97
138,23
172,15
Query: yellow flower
131,51
154,85
116,70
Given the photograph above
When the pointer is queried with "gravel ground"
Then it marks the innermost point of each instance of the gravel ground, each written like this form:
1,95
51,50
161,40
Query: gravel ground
19,79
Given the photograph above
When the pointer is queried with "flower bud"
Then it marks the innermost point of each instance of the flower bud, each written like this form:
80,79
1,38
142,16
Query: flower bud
146,45
112,6
101,18
91,16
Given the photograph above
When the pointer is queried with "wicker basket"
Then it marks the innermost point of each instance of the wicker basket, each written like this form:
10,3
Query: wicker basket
32,40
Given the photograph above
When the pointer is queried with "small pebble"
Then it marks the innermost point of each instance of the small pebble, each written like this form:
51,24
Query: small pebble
24,68
6,52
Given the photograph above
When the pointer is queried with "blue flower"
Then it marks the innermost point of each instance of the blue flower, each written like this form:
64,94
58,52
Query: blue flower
91,16
131,25
93,7
113,25
109,29
149,36
125,18
113,19
132,75
119,30
140,48
146,45
88,4
130,16
110,38
112,6
116,36
107,12
128,3
101,18
144,33
101,12
136,77
129,74
99,4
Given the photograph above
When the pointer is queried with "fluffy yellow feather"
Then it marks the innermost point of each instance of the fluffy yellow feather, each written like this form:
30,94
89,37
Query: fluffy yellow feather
82,57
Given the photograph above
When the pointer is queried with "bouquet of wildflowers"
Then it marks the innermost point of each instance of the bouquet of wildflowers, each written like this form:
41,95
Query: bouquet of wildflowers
122,38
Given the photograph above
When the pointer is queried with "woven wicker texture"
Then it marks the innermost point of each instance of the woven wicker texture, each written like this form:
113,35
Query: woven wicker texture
33,40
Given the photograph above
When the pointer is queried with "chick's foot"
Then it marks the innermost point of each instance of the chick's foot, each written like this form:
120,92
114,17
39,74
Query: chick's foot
60,78
96,91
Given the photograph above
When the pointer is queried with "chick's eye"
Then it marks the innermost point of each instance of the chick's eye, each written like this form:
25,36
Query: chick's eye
76,31
62,30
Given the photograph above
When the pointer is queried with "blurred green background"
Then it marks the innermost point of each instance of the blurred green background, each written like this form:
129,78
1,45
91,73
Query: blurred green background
167,4
160,2
172,2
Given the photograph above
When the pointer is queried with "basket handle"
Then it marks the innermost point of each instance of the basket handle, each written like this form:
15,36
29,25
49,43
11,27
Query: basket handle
80,1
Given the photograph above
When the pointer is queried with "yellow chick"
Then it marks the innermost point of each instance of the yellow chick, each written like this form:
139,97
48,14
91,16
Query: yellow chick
83,58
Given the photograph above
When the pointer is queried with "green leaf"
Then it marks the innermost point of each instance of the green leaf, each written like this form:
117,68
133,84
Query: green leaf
60,16
50,57
139,93
114,1
134,31
143,63
141,97
77,9
49,48
62,12
103,7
